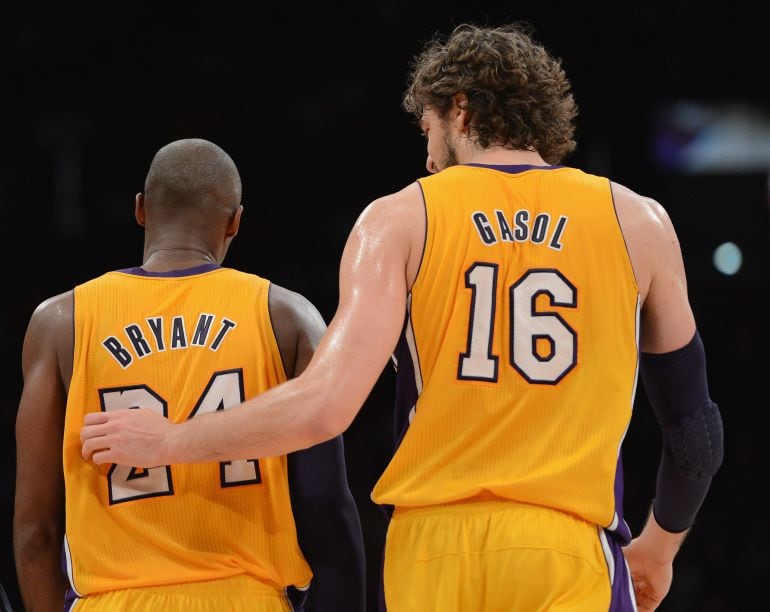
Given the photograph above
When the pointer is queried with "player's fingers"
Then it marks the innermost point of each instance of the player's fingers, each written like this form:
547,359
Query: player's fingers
96,418
103,456
94,431
86,449
91,446
645,603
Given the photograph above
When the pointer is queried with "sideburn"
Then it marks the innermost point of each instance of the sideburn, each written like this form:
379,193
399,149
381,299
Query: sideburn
450,153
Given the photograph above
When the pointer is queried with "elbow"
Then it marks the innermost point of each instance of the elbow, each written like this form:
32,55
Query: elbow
696,442
331,414
32,541
324,429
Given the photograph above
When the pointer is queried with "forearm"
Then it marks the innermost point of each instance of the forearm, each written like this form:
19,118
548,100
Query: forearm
328,527
38,566
692,432
677,497
333,546
282,420
336,556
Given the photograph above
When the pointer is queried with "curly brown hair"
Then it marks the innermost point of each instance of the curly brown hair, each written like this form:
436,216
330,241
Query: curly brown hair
518,94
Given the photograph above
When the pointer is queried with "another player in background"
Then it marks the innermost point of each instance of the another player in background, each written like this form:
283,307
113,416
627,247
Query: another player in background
186,337
534,294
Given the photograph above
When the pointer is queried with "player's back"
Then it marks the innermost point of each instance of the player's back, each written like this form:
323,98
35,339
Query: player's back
181,344
517,367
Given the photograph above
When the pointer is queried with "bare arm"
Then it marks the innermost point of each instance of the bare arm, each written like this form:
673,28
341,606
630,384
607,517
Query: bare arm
298,328
325,514
378,265
38,525
667,325
667,319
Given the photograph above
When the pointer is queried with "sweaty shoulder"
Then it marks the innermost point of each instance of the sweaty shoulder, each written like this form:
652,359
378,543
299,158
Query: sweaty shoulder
55,308
648,232
51,329
398,219
297,325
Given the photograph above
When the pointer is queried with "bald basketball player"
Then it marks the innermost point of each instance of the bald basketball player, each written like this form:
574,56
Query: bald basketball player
522,298
187,337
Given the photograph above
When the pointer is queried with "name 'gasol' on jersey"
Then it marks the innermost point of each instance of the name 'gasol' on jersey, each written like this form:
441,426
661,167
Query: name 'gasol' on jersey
499,314
522,228
159,333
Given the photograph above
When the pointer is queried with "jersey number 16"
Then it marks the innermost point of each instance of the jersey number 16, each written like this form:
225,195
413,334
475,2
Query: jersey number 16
543,347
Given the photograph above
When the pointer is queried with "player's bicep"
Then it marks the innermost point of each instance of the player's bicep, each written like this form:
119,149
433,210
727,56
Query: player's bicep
373,287
370,315
667,318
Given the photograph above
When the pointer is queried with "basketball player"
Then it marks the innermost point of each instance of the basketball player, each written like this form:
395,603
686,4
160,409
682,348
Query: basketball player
533,292
186,337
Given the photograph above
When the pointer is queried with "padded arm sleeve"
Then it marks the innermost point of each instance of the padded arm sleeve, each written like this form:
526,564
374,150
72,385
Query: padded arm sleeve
677,388
328,527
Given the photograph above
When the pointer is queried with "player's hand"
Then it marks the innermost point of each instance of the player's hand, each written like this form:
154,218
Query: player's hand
651,576
136,437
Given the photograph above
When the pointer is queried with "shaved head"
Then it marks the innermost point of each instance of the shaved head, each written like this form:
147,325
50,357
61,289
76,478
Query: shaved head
192,182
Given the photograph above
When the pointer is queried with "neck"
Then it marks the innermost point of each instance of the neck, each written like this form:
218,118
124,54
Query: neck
164,260
500,156
468,151
173,248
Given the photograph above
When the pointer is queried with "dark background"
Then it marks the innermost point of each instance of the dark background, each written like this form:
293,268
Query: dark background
306,100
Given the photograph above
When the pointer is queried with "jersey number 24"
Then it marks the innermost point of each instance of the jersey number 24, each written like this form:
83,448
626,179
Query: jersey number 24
224,390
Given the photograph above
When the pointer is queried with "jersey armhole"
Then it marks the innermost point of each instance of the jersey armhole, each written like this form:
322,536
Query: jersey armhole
629,263
77,343
418,276
275,350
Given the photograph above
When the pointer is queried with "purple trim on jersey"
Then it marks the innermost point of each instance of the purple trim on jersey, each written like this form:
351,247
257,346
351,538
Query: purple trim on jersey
406,387
70,597
406,395
207,267
513,169
622,598
296,598
622,532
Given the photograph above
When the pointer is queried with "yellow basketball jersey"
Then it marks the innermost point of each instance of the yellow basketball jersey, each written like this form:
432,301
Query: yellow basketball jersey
182,345
517,366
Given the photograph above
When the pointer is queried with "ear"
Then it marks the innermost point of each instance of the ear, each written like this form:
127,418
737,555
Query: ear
139,209
235,223
461,116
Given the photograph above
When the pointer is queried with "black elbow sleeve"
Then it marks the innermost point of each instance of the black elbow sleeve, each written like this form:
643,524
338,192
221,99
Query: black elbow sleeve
695,442
691,425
